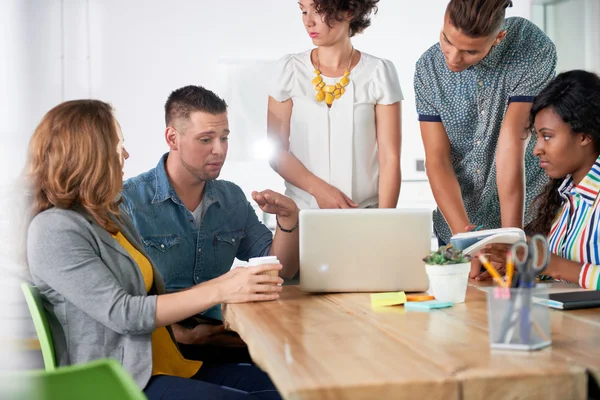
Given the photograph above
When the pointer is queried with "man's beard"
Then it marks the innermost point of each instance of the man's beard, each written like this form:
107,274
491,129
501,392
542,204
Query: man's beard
199,173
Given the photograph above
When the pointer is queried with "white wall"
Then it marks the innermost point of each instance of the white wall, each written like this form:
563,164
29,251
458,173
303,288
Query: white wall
573,26
17,93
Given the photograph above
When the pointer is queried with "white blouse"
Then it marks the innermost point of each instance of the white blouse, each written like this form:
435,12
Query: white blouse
337,144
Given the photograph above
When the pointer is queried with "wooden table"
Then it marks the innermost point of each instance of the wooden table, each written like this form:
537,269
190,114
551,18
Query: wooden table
337,347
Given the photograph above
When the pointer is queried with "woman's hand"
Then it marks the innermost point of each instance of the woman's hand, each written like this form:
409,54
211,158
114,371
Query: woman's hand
329,196
246,284
496,254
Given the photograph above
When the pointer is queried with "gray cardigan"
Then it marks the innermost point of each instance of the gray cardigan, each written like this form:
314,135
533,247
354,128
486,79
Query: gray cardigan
94,291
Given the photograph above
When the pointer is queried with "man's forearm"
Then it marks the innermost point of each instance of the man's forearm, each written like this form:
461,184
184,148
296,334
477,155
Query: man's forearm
448,196
510,180
510,164
285,247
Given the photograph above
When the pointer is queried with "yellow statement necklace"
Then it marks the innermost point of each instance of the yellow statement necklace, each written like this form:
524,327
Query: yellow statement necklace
329,93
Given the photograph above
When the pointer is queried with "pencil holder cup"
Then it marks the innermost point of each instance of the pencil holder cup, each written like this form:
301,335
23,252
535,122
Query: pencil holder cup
516,321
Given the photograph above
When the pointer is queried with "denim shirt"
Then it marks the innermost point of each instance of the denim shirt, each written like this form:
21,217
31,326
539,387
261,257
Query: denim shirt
184,253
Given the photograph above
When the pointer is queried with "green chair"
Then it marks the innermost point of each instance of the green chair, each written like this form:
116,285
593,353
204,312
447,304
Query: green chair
40,322
97,380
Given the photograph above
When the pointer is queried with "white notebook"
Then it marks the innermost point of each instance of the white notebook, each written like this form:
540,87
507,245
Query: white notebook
471,242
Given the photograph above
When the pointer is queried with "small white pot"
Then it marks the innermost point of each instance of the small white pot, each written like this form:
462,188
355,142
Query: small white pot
449,282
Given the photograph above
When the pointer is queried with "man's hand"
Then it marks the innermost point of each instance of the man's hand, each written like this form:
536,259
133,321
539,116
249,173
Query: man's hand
274,203
475,263
201,334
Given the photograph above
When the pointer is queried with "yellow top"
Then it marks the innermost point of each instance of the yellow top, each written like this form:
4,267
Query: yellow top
166,358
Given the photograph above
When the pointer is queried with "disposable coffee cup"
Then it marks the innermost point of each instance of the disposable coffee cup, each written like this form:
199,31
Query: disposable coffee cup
256,261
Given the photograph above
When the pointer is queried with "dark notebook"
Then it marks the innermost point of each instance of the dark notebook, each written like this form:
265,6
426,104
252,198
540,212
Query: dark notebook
572,300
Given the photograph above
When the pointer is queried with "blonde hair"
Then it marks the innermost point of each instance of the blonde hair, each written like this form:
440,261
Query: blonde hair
73,161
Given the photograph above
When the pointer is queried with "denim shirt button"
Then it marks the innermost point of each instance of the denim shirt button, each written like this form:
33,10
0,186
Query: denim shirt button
199,250
162,246
232,240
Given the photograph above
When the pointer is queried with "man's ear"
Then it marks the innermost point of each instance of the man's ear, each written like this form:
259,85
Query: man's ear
171,137
499,38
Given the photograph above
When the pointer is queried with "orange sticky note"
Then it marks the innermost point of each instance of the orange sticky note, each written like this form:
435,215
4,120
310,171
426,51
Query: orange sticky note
419,297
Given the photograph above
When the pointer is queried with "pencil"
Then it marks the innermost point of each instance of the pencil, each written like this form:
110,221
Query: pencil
510,268
491,270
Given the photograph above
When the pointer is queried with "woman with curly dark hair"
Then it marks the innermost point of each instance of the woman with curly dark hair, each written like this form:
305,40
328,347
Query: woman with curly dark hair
334,114
566,117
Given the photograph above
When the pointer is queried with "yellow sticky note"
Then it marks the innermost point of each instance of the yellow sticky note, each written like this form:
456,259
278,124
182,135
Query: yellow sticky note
388,299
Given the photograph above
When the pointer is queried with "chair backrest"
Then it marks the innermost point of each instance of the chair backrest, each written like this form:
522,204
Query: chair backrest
40,322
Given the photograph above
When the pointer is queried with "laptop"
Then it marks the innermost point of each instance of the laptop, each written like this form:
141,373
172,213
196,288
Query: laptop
364,250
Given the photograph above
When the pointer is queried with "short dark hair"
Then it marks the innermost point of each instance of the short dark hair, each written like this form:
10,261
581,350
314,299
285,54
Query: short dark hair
182,102
575,97
361,10
478,18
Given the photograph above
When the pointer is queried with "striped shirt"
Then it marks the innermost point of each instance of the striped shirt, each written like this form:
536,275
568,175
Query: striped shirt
575,233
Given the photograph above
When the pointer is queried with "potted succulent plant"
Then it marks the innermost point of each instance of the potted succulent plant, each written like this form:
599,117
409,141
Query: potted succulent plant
448,272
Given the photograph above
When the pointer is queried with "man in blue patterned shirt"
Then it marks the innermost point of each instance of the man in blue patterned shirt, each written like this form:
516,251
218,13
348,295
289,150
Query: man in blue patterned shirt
474,90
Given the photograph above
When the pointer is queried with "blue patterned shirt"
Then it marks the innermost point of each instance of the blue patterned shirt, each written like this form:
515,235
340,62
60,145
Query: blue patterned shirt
471,105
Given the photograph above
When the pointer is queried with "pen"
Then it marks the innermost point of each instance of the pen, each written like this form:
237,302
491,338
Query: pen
491,270
478,228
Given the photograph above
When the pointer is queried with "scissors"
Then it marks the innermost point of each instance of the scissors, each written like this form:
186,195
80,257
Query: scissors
529,264
531,259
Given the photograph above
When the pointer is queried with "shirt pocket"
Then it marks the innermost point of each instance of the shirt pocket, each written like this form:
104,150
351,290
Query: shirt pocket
161,243
162,249
226,247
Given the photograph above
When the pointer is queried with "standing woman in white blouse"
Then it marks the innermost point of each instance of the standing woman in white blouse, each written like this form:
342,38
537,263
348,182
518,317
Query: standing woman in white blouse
334,113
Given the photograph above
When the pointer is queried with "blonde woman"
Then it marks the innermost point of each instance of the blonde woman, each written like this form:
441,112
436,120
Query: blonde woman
334,114
105,295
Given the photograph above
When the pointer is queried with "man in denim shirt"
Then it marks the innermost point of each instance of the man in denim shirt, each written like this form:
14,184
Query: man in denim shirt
192,225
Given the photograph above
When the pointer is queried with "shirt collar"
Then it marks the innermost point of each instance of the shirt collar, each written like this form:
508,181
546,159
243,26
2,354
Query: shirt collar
164,190
588,188
496,53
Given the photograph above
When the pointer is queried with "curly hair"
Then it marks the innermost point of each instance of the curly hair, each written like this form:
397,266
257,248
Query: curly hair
73,161
361,10
575,98
478,18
